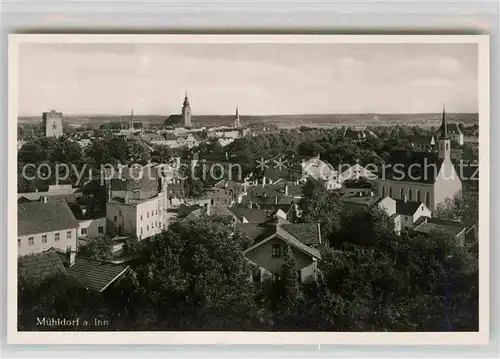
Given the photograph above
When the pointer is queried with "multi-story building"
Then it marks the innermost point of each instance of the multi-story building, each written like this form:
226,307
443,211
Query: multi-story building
45,224
136,203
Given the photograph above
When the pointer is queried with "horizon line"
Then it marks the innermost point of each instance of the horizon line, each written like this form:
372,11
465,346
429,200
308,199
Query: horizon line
262,115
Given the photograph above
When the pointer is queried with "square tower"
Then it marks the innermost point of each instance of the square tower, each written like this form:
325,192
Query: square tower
52,123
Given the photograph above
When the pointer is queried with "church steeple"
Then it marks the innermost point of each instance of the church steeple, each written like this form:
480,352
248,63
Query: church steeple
186,112
444,125
237,118
186,100
444,143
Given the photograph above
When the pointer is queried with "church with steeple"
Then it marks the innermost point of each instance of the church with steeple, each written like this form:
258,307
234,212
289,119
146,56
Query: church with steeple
427,177
186,113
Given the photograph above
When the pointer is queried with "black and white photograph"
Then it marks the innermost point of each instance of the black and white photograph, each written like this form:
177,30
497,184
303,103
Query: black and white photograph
258,184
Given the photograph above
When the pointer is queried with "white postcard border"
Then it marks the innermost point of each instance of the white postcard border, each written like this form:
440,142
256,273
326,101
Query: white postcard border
208,337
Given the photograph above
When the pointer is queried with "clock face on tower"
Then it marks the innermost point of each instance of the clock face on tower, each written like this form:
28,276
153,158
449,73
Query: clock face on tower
54,125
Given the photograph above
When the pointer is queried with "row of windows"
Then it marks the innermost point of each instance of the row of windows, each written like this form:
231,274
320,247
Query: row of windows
156,224
31,240
153,213
100,230
417,197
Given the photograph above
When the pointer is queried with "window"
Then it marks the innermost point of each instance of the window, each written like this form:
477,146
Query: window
409,195
402,194
142,230
68,234
147,214
100,229
383,191
84,232
446,147
417,192
57,237
147,227
390,191
31,241
44,238
141,217
19,242
116,218
427,199
276,250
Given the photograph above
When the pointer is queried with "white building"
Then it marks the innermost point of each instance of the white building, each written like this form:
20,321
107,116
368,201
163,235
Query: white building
137,204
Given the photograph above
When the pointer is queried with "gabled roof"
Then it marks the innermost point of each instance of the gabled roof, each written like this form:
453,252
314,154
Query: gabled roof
39,217
251,215
407,208
426,166
307,233
300,236
92,274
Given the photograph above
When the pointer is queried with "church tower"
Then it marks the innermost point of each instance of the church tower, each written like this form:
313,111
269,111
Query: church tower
444,143
186,112
237,122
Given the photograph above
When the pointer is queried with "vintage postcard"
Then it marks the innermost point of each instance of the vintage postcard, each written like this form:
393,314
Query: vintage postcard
270,189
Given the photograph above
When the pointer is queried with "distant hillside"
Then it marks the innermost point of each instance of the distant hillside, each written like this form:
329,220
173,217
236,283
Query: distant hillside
287,121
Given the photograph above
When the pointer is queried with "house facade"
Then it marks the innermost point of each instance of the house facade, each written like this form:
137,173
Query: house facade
270,242
44,225
136,205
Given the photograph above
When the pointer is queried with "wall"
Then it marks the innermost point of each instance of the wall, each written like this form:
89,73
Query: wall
447,184
396,186
151,218
262,255
38,246
126,217
388,204
92,227
220,196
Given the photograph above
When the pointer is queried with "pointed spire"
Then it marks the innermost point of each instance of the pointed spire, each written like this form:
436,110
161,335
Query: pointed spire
186,100
237,114
444,125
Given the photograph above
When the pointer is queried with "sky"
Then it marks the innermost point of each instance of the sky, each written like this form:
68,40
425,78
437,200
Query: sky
261,79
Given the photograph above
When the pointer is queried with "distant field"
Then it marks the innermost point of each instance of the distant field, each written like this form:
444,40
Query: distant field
287,121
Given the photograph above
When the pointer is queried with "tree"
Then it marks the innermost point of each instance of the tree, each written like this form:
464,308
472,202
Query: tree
172,121
288,292
196,276
97,249
463,207
321,206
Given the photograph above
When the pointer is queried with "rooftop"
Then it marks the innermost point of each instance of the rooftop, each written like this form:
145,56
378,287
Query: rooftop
89,274
407,208
39,217
413,166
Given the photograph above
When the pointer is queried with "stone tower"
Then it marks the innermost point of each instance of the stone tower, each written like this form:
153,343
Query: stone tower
186,112
52,123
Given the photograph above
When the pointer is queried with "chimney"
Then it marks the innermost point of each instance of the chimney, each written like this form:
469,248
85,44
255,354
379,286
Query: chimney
286,189
275,199
43,199
70,256
405,199
263,181
250,205
372,194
